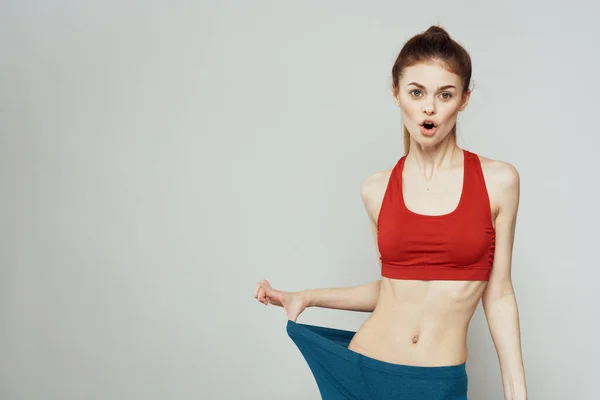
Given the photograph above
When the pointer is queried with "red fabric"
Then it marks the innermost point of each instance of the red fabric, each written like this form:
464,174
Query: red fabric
454,246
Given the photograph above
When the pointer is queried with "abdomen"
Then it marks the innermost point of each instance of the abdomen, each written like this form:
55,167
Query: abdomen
420,322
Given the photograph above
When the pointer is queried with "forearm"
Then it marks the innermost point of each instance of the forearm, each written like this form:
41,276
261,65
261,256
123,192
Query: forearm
503,320
356,298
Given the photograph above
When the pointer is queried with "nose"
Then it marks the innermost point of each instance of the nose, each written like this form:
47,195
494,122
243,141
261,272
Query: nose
429,109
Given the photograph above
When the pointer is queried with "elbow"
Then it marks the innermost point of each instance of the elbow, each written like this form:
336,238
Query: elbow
493,294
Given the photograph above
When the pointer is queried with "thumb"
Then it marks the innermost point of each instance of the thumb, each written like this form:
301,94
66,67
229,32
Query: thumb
294,311
273,294
292,316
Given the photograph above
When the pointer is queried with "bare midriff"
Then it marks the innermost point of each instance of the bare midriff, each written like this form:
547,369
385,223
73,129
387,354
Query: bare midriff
421,323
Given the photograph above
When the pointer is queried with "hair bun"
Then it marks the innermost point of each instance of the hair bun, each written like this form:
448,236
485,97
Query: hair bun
436,30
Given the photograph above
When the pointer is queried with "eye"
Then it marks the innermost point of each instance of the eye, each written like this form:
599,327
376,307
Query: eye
448,97
413,92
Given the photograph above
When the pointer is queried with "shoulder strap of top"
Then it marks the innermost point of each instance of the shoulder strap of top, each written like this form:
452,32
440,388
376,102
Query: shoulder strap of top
393,191
476,183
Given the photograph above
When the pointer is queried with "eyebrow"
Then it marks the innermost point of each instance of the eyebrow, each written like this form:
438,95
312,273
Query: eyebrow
439,88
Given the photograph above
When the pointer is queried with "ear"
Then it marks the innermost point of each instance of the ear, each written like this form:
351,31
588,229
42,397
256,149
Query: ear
396,95
465,100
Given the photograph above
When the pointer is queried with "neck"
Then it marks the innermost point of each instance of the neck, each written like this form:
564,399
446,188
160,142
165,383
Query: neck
430,160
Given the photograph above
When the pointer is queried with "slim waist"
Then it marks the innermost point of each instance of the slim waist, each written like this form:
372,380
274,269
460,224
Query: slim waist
336,341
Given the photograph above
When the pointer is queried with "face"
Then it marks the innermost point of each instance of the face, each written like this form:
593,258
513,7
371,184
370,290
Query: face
429,92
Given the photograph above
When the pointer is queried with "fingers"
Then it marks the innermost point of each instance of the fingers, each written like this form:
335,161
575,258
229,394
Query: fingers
260,293
266,294
262,296
256,290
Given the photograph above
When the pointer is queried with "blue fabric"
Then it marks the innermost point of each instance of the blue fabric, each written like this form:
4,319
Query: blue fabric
342,374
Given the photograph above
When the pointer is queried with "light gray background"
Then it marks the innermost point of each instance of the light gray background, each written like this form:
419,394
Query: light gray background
157,159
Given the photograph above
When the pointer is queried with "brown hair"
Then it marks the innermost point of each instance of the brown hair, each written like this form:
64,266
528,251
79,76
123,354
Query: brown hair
433,45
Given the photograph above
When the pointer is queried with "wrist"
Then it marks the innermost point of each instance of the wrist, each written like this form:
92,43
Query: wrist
307,297
512,392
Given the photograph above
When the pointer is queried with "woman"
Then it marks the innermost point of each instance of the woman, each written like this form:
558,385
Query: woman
443,219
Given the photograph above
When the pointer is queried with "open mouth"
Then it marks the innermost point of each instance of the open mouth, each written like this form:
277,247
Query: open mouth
428,128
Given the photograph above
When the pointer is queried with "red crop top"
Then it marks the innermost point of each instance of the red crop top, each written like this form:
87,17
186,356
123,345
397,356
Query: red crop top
454,246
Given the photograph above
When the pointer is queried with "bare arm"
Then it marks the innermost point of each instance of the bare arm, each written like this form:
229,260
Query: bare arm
356,298
364,297
499,301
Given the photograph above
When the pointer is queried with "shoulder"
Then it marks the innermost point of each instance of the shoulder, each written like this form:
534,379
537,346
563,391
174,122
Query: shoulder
500,173
374,182
502,180
372,190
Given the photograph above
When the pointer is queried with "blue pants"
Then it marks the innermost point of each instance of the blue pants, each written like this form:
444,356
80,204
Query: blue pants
343,374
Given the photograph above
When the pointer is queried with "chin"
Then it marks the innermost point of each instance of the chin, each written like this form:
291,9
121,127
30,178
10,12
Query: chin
428,141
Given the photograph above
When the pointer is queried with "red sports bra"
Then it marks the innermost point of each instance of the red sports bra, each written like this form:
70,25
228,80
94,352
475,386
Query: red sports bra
454,246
